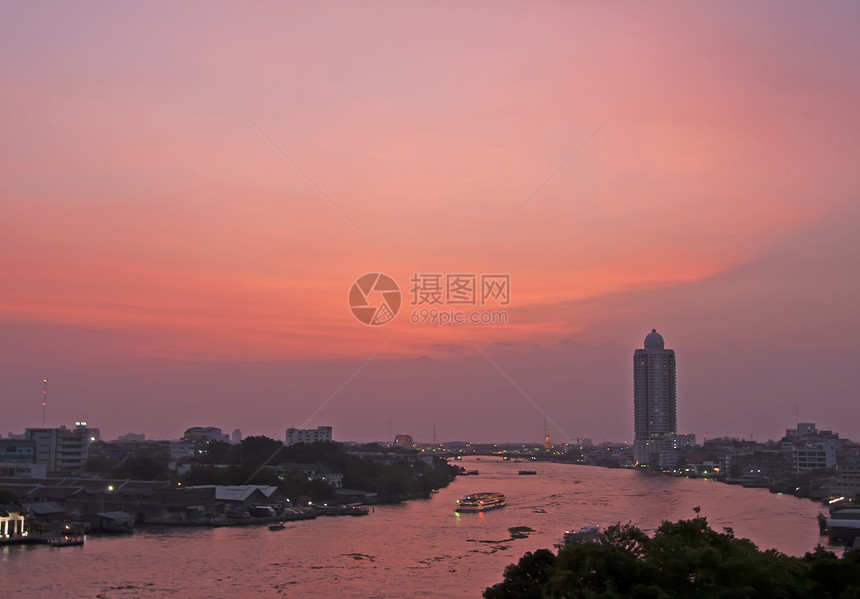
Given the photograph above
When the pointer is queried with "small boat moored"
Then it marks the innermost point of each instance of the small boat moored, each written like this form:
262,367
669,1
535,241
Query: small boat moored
69,535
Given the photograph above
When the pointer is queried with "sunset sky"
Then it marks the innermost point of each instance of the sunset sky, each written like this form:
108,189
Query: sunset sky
188,191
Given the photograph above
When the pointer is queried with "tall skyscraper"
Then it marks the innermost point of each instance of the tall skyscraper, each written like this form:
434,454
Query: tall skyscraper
654,412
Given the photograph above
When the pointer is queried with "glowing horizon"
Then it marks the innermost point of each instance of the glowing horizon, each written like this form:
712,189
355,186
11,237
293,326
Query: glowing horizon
150,222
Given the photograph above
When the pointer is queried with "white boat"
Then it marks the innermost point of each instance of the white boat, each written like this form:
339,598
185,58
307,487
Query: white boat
586,534
480,502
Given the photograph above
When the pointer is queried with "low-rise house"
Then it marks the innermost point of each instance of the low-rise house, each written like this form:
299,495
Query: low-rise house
244,496
145,500
47,511
110,521
23,469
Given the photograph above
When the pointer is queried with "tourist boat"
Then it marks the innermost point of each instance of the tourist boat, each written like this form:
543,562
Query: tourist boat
527,472
588,533
277,526
480,502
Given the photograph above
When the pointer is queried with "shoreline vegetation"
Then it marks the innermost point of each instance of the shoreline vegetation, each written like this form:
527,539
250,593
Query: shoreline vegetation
682,559
382,474
393,474
312,480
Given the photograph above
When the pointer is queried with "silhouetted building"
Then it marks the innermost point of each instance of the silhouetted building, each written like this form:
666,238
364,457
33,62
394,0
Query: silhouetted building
60,449
236,437
307,435
204,434
815,455
14,450
811,448
404,441
93,433
654,409
804,429
18,458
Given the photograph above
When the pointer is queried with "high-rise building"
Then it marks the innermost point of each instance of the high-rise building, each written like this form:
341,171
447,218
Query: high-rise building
654,409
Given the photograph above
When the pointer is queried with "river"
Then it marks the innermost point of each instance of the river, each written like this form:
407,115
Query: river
417,549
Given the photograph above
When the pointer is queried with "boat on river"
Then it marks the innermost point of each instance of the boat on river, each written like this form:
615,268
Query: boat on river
69,535
527,472
586,534
480,502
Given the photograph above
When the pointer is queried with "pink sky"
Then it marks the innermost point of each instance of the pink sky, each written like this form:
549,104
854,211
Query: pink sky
165,266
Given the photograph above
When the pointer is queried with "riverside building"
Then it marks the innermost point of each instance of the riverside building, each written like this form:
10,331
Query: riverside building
654,405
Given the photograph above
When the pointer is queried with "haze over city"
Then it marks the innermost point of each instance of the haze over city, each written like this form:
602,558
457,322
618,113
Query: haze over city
188,195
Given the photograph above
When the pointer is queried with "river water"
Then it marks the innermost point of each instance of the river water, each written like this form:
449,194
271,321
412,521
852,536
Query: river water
417,549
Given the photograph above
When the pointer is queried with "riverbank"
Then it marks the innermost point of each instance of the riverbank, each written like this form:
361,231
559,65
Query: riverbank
780,488
404,549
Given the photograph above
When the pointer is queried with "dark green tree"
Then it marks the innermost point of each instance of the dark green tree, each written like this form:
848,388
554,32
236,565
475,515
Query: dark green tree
683,559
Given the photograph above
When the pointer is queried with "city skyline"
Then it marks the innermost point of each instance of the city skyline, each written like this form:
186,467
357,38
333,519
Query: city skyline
184,219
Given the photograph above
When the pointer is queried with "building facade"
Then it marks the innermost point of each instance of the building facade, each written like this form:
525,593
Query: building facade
404,441
22,469
60,449
307,435
815,455
654,400
204,434
17,450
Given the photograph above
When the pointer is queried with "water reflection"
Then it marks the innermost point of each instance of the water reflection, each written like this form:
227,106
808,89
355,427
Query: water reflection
421,548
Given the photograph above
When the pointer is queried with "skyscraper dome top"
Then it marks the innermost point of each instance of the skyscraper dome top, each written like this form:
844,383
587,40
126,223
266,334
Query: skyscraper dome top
654,340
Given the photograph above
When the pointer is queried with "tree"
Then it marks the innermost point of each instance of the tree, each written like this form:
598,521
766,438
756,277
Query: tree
682,559
525,579
101,464
143,467
10,499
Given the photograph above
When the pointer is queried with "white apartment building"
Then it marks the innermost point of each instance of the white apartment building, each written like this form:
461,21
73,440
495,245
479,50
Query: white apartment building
815,455
305,435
